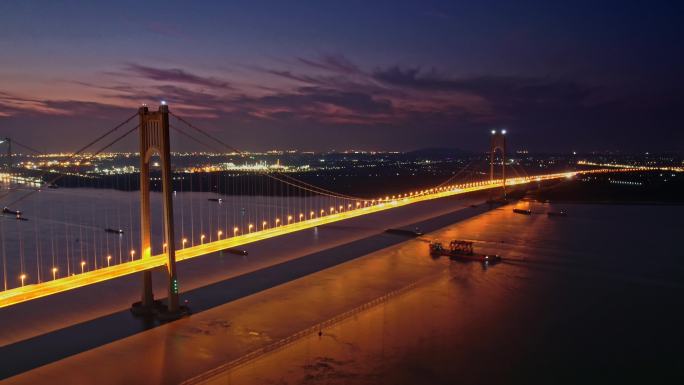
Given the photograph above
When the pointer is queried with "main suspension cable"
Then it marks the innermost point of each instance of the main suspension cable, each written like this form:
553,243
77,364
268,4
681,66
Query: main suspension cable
82,149
91,156
14,142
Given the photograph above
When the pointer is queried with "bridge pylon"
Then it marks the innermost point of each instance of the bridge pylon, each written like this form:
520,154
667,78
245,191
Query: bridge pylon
8,156
154,139
498,143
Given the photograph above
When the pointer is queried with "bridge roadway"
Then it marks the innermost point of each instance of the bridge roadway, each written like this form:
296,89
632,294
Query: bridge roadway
43,289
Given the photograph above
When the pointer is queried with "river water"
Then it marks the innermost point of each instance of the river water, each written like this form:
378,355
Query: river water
595,297
66,226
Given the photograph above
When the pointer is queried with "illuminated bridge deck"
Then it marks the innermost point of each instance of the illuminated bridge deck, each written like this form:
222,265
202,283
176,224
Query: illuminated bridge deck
38,290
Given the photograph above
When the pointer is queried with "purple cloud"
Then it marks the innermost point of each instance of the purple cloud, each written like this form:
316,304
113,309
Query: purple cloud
175,75
332,63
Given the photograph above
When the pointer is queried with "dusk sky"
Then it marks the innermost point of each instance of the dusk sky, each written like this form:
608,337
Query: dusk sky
319,75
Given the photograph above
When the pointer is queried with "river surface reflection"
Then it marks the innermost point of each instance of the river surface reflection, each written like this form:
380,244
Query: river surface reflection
594,297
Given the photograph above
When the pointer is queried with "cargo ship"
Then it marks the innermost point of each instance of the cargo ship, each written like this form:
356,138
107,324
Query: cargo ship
462,250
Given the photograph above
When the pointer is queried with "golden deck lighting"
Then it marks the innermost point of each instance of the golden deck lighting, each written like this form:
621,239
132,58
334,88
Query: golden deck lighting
37,290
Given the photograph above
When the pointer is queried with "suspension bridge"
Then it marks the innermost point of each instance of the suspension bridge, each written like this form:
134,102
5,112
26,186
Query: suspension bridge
58,239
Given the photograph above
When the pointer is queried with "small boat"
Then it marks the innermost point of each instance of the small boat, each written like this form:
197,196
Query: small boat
490,259
219,200
17,213
497,201
409,233
561,213
114,231
53,186
522,211
7,210
237,251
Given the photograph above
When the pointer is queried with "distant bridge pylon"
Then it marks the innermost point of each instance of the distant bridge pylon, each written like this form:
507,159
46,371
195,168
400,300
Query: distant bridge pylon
8,156
498,143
